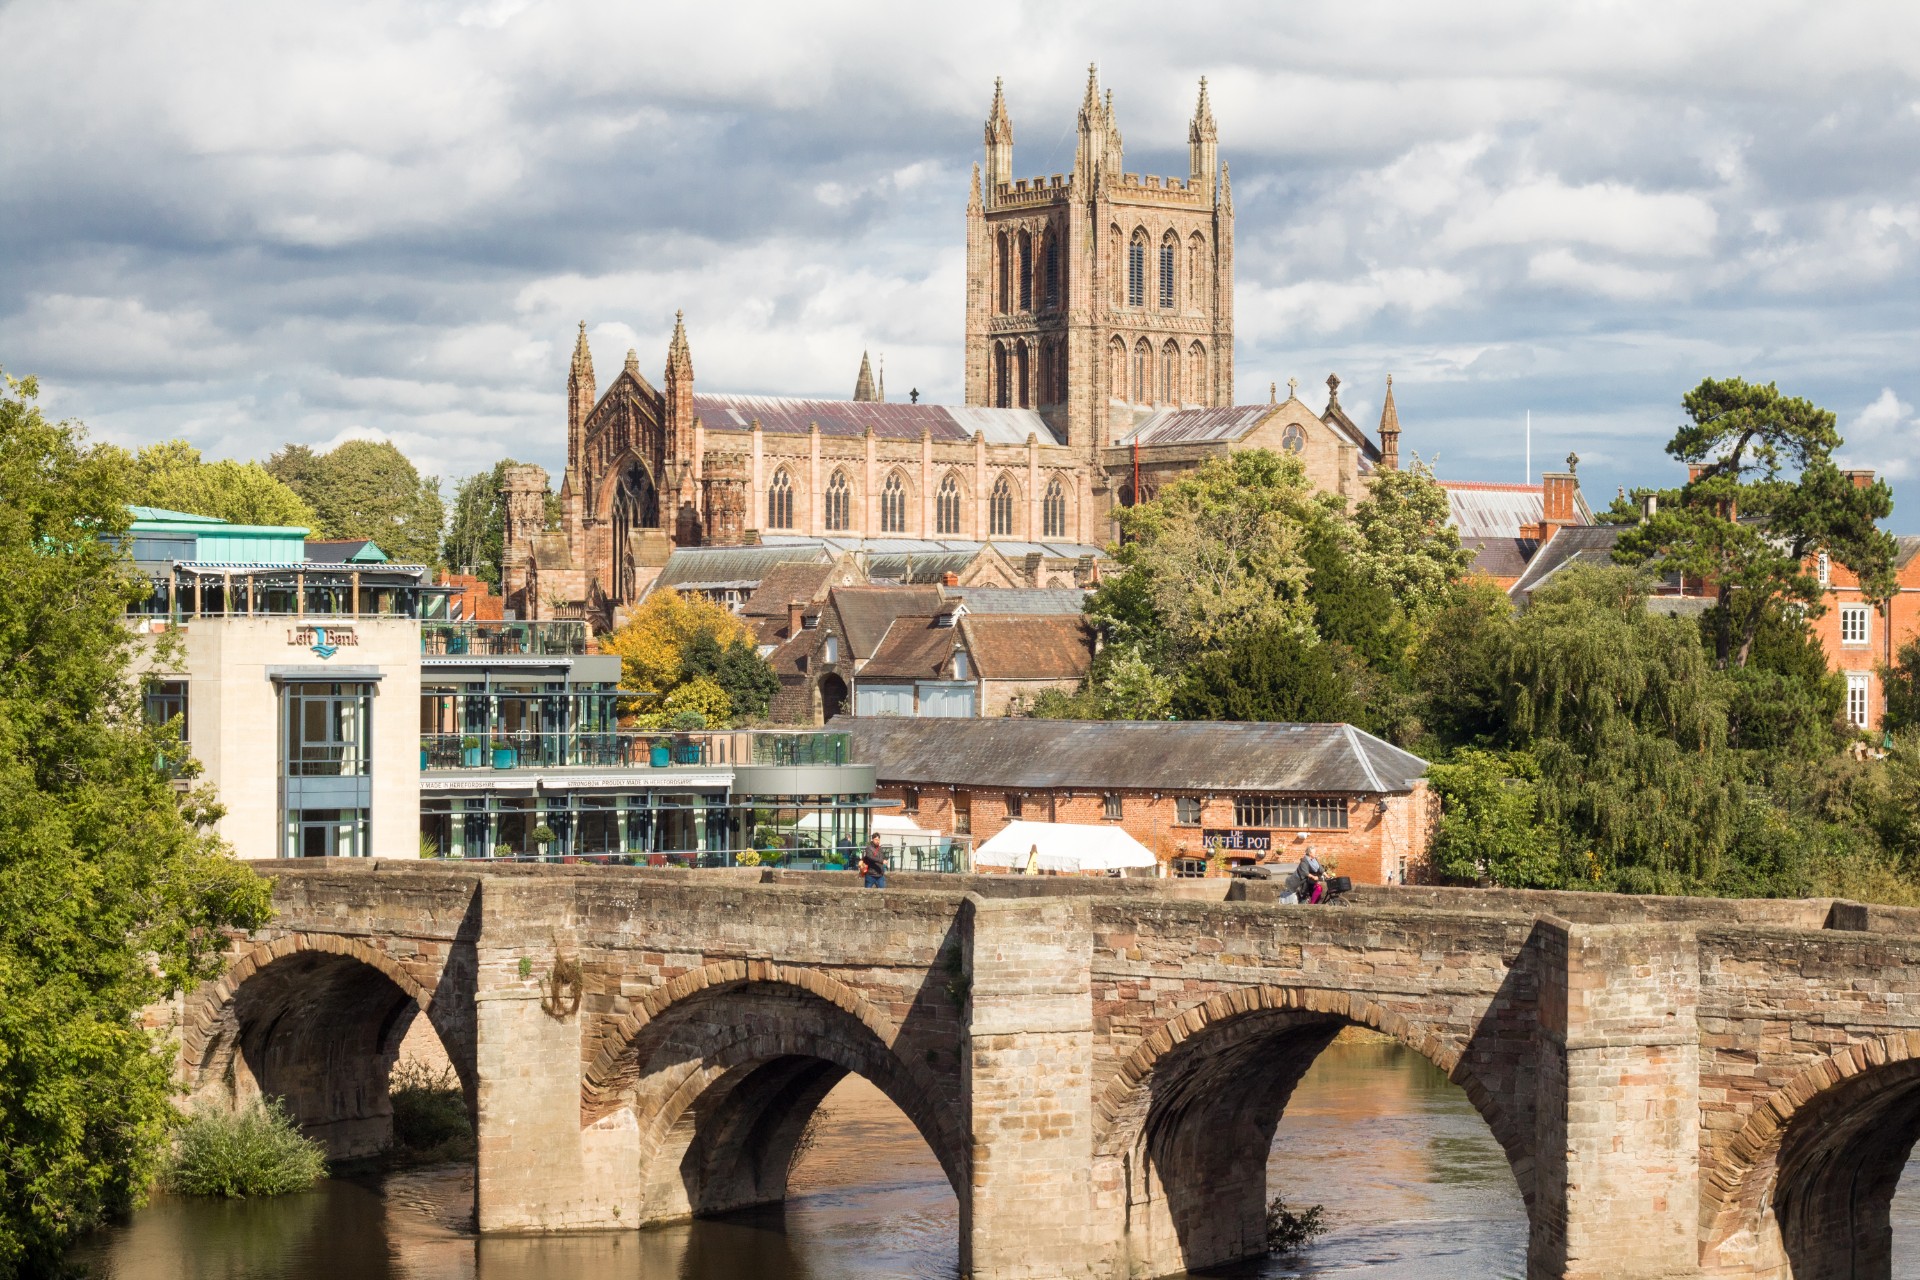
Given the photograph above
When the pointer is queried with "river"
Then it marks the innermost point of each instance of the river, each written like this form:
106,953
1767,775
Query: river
1413,1183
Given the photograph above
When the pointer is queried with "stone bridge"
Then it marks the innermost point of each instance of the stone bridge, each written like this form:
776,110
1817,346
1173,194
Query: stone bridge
1682,1087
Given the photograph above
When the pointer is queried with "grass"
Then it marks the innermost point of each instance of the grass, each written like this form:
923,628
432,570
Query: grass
256,1151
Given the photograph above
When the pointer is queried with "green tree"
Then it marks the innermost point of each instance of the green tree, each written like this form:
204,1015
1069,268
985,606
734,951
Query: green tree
1274,674
477,523
1902,683
367,489
1490,827
1765,497
112,890
1407,541
1460,663
172,475
1217,554
747,679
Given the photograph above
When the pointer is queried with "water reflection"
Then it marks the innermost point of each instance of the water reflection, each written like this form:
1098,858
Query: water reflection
1413,1181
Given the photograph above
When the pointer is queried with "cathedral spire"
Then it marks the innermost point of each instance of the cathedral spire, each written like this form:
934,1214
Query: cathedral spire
1091,147
999,124
582,354
863,391
1389,432
679,358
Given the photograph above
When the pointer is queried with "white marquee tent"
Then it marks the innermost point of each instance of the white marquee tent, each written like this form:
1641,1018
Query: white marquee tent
1063,846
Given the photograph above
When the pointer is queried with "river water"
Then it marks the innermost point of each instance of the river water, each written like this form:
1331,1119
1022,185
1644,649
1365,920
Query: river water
1413,1183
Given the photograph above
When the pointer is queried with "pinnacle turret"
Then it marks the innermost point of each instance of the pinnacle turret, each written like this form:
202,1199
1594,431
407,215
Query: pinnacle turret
582,354
863,390
1203,129
1389,432
999,124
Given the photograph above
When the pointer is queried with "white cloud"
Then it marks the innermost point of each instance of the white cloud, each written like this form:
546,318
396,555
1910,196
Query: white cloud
1561,267
1606,215
1884,436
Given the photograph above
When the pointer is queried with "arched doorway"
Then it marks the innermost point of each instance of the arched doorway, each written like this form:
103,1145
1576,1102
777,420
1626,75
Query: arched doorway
636,506
833,696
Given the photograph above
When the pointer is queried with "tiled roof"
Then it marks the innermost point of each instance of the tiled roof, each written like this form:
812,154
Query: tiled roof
1019,754
1590,544
891,421
1019,599
1909,547
1029,647
1503,558
784,584
914,649
865,613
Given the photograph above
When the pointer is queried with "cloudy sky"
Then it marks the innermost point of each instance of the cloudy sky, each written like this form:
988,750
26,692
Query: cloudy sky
251,223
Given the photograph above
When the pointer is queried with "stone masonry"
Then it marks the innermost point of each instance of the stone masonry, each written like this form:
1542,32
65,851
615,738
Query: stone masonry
1683,1088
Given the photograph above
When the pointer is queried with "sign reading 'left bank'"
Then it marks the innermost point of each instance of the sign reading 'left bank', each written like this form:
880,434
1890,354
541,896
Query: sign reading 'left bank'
324,641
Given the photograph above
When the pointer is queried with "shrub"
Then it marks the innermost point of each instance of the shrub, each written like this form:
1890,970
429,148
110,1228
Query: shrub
429,1112
1290,1232
256,1151
747,858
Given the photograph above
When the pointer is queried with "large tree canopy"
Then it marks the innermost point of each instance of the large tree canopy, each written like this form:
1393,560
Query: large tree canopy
172,475
367,489
112,891
693,648
1763,498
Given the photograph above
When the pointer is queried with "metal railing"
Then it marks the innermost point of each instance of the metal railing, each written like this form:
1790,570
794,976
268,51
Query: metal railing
656,749
504,639
941,854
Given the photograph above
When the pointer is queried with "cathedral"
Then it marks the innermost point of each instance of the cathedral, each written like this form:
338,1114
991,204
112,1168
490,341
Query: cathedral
1099,364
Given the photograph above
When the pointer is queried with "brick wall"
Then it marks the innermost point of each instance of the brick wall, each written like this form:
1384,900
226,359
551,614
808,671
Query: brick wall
1377,843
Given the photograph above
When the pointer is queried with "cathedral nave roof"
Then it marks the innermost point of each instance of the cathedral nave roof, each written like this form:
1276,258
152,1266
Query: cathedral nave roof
788,415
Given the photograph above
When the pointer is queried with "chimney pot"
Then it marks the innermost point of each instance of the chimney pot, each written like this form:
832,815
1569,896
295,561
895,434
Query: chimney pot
949,579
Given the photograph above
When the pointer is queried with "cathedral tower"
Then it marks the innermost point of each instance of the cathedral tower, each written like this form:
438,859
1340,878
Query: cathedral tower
1099,296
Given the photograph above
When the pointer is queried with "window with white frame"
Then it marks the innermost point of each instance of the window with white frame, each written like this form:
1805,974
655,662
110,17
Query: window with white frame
1855,624
1859,690
1825,569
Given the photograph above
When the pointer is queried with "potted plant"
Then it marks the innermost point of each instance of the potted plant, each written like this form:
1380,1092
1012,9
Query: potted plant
685,724
423,754
660,753
504,756
503,850
470,752
542,836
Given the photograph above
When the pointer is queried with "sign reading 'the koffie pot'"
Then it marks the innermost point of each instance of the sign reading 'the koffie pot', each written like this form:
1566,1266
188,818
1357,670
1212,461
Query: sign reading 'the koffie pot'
1236,841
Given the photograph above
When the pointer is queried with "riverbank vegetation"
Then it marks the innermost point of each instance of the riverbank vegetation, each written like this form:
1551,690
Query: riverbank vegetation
430,1122
113,887
254,1151
1596,739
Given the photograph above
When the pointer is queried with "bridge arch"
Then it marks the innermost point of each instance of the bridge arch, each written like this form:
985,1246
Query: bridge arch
1808,1181
1185,1126
316,1021
724,1066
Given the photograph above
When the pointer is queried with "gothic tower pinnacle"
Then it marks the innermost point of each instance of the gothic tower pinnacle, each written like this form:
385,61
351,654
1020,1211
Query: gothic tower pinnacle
863,390
1389,432
999,135
677,391
1093,134
1203,143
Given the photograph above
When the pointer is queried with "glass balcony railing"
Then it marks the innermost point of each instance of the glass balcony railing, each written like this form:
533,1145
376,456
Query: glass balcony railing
504,639
655,749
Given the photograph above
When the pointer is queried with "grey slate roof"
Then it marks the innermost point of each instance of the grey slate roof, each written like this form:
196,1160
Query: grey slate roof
1482,509
1589,544
1500,557
1153,754
1018,599
744,567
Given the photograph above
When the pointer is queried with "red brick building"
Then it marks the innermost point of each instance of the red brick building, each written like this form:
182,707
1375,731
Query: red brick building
1860,637
1202,796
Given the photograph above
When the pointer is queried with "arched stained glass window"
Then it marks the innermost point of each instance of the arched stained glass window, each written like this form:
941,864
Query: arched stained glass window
1053,510
1167,255
1142,388
839,503
1137,270
946,506
1170,374
780,501
1117,368
1293,440
1199,389
1002,269
1053,270
1000,508
1000,397
893,505
1022,372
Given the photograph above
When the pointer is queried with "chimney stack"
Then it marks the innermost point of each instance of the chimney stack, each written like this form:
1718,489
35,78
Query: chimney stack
794,608
949,579
1860,479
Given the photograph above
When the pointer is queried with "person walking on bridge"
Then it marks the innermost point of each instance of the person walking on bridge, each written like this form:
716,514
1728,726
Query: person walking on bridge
873,865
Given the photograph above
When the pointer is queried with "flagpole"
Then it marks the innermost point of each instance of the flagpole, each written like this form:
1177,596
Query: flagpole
1528,478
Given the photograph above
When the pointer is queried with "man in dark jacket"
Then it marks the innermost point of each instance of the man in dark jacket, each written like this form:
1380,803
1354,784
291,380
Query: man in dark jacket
873,865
